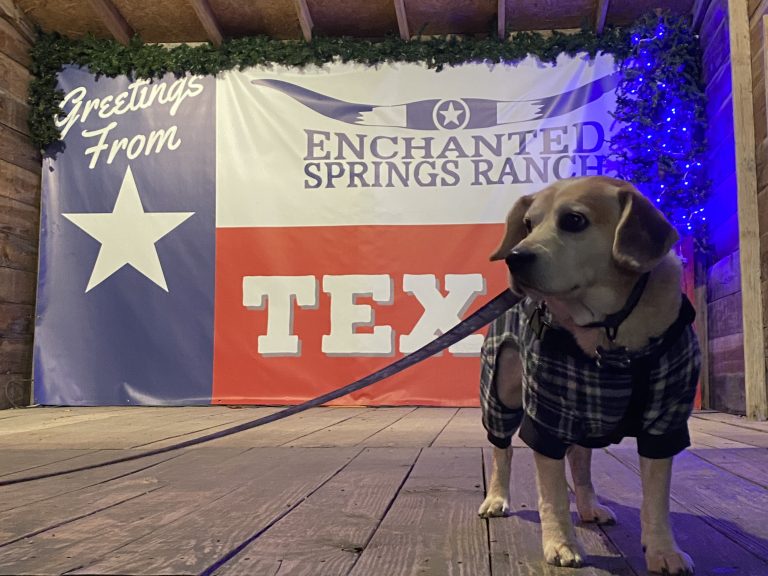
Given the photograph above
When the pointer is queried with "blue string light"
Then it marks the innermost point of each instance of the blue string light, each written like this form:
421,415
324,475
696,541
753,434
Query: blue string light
660,109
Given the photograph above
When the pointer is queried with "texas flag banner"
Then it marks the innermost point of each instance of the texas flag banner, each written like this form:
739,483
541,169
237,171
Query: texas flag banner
268,235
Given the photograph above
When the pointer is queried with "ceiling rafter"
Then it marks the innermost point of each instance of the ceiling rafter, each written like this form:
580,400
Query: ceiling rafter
10,12
402,20
600,15
207,18
305,18
113,20
501,18
697,13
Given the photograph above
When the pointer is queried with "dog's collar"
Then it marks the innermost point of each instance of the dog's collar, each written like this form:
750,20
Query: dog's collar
612,322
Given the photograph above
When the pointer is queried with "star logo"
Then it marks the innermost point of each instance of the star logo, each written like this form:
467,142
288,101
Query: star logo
450,114
128,235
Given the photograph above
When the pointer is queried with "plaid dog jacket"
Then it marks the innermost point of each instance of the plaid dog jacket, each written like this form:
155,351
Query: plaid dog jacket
572,398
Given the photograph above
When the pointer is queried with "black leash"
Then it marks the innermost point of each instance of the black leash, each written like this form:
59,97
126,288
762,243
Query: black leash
483,316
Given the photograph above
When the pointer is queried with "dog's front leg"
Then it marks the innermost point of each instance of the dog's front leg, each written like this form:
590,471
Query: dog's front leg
496,501
662,555
589,507
557,535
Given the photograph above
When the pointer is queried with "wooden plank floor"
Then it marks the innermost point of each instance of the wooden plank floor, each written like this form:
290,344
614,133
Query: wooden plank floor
342,491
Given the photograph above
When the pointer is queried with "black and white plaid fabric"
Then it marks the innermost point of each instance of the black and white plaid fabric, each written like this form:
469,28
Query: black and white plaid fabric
575,398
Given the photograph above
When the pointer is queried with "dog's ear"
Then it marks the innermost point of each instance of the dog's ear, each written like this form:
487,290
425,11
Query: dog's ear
515,228
643,235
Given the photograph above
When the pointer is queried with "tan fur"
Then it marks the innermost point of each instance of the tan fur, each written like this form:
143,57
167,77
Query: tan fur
583,277
602,261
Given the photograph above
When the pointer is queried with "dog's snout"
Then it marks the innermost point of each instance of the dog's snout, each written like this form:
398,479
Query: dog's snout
519,258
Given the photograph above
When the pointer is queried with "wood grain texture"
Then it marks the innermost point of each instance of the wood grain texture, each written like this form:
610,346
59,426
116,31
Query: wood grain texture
370,19
721,499
732,419
16,354
15,390
19,184
23,31
14,113
340,510
501,18
288,430
208,20
619,487
430,17
704,440
113,20
16,320
748,436
724,316
749,234
515,541
276,18
748,463
17,498
19,219
418,428
464,429
402,20
432,527
183,483
148,429
327,532
724,278
18,253
17,461
354,431
17,149
600,15
166,21
305,18
269,486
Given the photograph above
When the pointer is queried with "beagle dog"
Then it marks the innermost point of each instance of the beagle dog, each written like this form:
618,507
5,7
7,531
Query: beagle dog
599,347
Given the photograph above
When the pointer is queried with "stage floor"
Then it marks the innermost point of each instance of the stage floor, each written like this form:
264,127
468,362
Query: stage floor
336,491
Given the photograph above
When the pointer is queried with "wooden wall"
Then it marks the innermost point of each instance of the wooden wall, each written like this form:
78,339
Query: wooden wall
19,216
724,320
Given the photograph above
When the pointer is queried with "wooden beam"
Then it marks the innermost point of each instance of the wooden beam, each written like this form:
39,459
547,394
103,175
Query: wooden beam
749,232
305,18
698,11
501,11
113,20
402,20
204,13
11,13
765,67
602,12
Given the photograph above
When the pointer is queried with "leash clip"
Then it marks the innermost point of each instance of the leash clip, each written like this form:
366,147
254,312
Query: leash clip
537,321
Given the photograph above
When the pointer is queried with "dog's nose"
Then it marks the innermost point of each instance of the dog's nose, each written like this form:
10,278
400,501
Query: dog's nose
518,259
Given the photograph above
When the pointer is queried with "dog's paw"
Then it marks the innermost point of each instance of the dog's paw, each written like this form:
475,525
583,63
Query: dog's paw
560,552
672,562
494,505
596,512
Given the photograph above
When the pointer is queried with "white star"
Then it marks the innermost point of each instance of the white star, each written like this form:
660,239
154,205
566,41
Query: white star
451,114
128,235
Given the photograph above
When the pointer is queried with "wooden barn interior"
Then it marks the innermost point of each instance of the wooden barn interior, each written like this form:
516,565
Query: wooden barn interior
368,491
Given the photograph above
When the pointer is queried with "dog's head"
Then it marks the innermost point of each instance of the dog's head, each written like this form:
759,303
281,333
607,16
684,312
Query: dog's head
582,233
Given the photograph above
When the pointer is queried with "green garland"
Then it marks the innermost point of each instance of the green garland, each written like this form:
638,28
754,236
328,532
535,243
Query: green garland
676,62
109,58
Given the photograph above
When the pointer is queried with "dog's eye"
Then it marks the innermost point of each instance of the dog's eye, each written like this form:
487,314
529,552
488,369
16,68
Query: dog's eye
573,222
528,225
